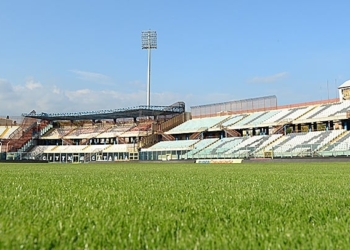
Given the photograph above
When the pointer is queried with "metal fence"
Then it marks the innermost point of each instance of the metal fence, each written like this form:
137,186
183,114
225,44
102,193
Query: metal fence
2,156
73,157
253,104
285,151
341,149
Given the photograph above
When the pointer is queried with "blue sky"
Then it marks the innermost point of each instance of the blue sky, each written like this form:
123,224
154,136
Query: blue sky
81,55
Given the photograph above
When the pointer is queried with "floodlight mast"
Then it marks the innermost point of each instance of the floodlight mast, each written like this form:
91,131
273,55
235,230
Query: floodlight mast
149,41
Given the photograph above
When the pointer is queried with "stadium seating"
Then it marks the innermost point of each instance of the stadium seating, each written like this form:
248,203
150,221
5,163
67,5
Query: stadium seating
233,119
3,131
338,147
6,131
328,110
250,145
210,137
282,114
265,116
173,145
200,145
84,132
41,149
296,144
118,148
114,131
303,144
67,149
251,117
286,115
196,125
219,147
57,133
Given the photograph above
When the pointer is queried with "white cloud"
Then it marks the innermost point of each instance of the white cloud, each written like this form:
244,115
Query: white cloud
92,77
32,95
56,90
31,84
137,84
5,87
18,99
268,79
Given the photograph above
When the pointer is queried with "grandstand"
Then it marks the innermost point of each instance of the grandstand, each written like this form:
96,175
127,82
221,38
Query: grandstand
249,128
89,136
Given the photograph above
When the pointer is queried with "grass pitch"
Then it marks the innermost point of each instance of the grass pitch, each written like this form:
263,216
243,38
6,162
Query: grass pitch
175,206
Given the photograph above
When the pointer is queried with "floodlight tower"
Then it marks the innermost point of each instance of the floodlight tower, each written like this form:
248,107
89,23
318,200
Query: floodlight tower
149,41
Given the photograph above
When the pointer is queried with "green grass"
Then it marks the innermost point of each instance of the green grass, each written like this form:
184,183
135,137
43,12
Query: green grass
175,206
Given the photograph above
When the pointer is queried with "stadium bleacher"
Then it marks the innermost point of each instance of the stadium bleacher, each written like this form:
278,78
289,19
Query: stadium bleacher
196,125
301,130
303,143
114,131
6,131
173,145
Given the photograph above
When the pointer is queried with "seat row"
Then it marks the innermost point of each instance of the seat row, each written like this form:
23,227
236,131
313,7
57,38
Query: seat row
295,144
263,118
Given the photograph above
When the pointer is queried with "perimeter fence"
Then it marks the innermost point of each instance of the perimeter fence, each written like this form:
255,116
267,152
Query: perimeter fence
283,151
341,149
77,157
231,107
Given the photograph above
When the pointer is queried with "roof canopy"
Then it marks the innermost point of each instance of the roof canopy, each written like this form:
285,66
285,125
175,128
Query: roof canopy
345,85
134,112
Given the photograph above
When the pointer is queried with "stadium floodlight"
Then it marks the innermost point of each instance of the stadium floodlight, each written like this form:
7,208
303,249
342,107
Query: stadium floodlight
149,41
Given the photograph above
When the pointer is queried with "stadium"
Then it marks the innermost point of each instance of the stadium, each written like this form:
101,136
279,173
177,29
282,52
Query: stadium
245,144
244,129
